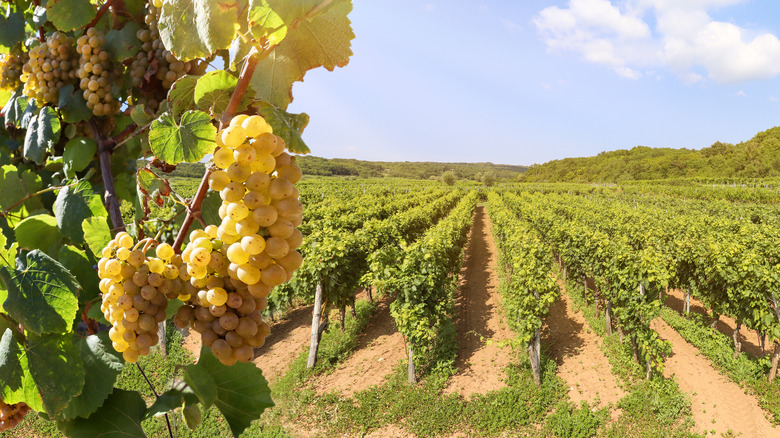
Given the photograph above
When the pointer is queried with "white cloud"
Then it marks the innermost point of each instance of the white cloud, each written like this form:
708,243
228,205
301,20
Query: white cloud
740,93
684,39
772,99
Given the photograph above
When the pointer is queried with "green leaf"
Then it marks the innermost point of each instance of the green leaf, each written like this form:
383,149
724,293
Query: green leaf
179,395
181,96
102,365
242,393
79,153
286,125
16,382
72,105
42,294
42,134
197,28
123,44
73,205
38,232
214,89
265,22
189,141
56,366
119,417
11,29
15,108
209,209
140,116
77,262
323,40
97,234
67,15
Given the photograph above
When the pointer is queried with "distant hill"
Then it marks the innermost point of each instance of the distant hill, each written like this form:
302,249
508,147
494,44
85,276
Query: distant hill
311,165
758,157
317,166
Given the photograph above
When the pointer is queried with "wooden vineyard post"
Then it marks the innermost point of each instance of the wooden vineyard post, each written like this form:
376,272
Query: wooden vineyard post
315,327
737,343
608,318
687,300
534,345
411,373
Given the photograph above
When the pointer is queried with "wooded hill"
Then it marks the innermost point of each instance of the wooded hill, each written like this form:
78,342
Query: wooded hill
758,157
317,166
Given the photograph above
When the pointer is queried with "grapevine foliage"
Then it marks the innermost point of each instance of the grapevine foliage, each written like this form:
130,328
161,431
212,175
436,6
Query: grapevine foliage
99,101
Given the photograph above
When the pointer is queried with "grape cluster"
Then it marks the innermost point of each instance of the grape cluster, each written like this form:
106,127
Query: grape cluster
11,415
95,73
11,65
234,266
136,290
157,62
51,66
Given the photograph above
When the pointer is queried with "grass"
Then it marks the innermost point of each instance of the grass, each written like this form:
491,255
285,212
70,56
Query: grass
745,370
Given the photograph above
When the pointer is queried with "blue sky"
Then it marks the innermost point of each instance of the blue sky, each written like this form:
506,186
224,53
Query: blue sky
524,82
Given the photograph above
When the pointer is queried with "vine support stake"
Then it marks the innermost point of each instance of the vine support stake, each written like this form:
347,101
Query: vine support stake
315,327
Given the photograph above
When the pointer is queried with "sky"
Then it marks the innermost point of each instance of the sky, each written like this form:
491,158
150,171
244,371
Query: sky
529,81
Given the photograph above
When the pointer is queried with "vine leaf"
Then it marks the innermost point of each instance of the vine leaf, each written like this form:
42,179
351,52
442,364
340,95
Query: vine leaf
180,394
72,105
38,232
11,29
79,264
67,15
42,133
79,153
14,108
97,234
42,294
73,205
214,89
189,141
320,41
197,28
102,364
239,391
123,44
119,416
56,366
180,97
286,125
16,383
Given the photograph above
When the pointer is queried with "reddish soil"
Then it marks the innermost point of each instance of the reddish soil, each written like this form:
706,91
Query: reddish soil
481,324
718,403
288,337
749,338
581,363
378,351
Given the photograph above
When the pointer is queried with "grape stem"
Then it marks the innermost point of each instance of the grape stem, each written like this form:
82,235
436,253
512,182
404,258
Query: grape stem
99,15
243,84
105,145
149,382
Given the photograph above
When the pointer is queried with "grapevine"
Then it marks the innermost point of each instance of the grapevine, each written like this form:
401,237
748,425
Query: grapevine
101,101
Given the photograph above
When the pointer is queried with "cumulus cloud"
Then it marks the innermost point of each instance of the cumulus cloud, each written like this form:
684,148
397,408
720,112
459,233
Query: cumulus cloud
684,39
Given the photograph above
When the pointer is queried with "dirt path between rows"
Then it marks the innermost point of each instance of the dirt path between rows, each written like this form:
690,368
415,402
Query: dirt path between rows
288,337
480,322
751,343
717,403
378,351
581,362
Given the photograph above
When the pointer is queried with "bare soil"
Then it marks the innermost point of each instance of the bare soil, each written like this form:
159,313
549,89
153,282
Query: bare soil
288,337
718,403
379,350
480,322
749,338
581,362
